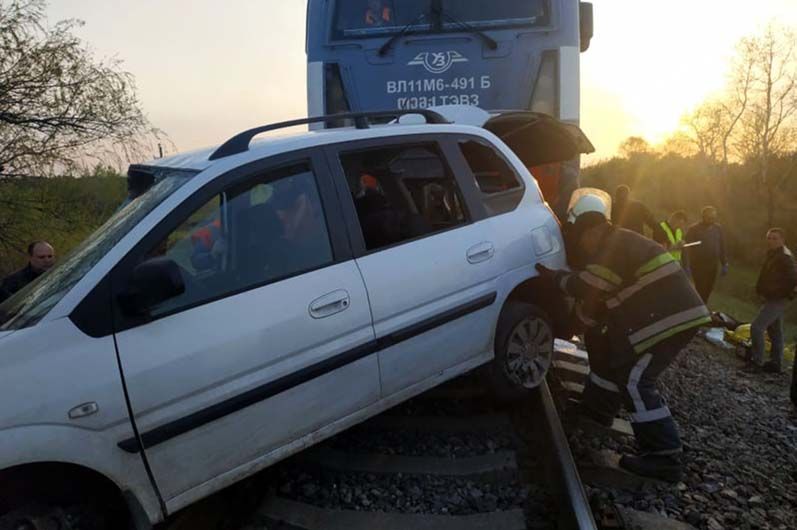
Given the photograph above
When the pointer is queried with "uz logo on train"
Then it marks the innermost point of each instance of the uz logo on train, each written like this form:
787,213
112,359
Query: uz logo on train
430,92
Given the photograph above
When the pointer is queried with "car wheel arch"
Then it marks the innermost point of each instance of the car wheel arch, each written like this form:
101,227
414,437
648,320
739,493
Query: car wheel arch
545,296
56,481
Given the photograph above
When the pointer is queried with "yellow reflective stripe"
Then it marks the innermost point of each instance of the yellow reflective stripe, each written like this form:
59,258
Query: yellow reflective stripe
605,273
666,323
644,346
596,282
668,232
628,292
655,263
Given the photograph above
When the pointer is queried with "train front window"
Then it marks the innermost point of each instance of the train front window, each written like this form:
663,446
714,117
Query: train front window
366,18
480,13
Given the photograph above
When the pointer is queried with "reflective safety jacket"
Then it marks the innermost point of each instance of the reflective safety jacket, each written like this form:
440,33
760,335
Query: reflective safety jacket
674,238
637,290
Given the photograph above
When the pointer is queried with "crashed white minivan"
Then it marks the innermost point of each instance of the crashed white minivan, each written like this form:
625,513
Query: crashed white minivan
251,300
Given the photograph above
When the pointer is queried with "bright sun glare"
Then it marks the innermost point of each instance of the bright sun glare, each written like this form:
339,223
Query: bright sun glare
651,62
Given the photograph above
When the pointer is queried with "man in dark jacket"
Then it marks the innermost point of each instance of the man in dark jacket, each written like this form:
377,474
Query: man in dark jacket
776,283
640,310
633,215
703,259
41,257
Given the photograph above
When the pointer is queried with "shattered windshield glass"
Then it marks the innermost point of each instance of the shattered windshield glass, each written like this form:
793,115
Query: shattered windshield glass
29,305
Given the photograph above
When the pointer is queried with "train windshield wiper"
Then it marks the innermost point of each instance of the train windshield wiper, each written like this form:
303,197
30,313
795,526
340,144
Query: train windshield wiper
406,30
441,14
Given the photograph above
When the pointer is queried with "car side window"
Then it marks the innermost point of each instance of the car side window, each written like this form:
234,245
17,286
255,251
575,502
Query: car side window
269,228
500,186
402,192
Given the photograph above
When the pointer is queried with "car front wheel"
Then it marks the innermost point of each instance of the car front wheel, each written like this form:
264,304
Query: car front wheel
53,517
523,351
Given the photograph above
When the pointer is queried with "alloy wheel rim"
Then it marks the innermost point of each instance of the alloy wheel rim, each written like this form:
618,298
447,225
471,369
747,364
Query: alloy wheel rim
529,353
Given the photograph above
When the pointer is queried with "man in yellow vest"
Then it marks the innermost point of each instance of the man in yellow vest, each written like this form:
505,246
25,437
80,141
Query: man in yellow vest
674,231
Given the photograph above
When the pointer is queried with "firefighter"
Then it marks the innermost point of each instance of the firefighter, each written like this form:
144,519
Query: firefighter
640,310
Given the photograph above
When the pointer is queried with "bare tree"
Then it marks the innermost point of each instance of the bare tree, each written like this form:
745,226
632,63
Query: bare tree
59,106
768,124
679,144
711,126
705,127
634,146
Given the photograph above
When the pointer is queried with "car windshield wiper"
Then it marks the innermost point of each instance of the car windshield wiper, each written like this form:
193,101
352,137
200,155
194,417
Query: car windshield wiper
441,14
406,30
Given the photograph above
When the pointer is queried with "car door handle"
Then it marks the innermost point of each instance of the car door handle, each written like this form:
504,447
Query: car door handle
330,304
481,252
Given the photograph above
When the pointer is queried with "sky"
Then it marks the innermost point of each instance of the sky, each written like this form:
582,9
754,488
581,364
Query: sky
206,69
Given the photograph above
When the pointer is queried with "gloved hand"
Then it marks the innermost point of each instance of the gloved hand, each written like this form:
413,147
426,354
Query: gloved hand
546,274
724,270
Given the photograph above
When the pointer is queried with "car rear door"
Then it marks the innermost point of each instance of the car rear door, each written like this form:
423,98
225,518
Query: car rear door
426,254
271,340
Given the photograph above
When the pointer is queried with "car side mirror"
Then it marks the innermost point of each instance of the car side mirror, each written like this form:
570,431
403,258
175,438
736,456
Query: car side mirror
586,24
151,282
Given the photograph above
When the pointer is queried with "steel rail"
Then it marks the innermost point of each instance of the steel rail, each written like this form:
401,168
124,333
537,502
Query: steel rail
575,512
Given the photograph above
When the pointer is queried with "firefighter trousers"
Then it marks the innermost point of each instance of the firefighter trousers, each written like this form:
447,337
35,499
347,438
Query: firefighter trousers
619,376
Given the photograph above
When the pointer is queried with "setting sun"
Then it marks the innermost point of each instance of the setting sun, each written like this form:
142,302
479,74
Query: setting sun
651,62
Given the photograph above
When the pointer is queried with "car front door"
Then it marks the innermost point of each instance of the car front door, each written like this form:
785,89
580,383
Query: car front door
270,340
426,254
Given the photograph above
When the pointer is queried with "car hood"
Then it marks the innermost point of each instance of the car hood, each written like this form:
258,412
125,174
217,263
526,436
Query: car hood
4,334
535,138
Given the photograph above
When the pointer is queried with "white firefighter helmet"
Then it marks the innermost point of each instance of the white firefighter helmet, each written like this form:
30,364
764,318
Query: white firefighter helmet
589,200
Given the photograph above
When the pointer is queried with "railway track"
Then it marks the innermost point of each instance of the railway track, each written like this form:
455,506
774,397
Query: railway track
448,459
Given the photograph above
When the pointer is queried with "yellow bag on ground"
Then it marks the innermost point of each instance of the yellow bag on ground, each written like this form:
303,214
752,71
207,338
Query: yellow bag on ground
741,335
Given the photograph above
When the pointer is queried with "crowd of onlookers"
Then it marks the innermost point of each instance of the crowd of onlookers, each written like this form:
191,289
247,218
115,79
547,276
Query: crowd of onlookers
701,250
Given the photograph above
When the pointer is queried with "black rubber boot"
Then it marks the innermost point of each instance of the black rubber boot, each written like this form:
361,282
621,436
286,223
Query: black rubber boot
668,468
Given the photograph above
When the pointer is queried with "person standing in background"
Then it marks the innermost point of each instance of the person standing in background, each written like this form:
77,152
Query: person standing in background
633,215
776,283
41,257
673,230
703,260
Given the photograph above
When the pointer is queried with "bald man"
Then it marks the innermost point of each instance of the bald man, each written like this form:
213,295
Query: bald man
41,257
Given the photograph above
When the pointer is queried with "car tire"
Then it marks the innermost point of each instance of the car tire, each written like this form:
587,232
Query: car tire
523,351
45,516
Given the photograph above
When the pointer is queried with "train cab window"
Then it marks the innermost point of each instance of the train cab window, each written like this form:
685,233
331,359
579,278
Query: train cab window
361,18
499,184
402,193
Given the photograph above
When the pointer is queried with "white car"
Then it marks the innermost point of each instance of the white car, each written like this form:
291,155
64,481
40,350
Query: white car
252,300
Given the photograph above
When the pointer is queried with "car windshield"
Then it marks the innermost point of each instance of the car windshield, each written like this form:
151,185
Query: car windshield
363,18
30,304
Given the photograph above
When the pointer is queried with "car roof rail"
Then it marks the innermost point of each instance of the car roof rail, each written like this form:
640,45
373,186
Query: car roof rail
362,120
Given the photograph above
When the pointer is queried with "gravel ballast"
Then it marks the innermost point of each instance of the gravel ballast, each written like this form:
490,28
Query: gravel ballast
740,446
399,493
